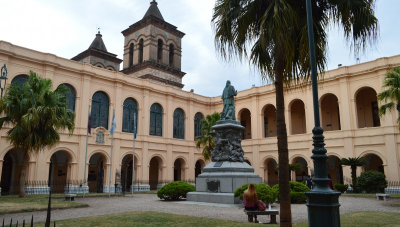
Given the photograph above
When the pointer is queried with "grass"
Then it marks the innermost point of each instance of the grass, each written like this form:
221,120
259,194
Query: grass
13,204
357,219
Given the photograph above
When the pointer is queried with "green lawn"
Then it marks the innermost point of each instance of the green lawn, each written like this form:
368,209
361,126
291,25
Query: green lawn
13,204
357,219
369,195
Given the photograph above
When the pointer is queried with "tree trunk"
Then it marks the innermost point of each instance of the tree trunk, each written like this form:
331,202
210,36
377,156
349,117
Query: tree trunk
354,177
283,152
25,160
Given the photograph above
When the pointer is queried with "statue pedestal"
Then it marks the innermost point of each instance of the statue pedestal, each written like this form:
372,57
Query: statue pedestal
220,179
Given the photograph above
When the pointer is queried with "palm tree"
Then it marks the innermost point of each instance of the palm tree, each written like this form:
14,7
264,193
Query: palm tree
206,140
272,35
353,163
391,84
35,114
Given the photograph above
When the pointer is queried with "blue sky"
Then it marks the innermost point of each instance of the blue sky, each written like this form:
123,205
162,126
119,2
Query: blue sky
66,28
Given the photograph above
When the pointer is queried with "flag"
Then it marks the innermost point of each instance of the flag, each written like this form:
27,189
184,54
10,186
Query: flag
134,126
89,126
113,124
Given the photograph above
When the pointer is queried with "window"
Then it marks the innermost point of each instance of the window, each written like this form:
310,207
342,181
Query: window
71,96
159,51
131,55
141,51
99,111
375,114
179,124
197,125
130,108
171,55
156,113
265,127
20,79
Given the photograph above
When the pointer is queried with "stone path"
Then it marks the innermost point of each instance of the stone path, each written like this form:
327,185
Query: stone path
149,202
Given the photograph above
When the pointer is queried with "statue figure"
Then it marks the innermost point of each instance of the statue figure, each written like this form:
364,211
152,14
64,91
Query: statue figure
228,113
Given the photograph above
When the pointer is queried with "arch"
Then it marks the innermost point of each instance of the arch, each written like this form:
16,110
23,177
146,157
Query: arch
100,65
155,172
127,171
131,49
156,120
11,171
179,169
159,157
367,152
171,54
59,170
367,108
374,163
111,68
297,117
330,113
269,113
300,175
20,79
335,169
245,121
199,166
160,47
100,111
70,96
130,113
247,161
179,124
103,153
197,124
70,153
141,51
96,172
270,171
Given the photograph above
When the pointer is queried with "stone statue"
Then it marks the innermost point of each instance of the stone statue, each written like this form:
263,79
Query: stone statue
228,113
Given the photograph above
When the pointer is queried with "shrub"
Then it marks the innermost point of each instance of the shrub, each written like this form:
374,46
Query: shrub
371,182
264,192
297,190
175,190
341,187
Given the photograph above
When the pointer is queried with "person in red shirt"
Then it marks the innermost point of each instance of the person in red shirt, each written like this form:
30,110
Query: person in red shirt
250,199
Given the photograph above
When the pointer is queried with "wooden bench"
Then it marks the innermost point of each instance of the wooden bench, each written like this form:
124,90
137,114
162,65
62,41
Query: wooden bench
272,213
382,196
70,197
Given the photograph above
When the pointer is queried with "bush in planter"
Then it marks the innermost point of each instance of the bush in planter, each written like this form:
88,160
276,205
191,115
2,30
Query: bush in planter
341,187
297,190
175,190
264,192
371,182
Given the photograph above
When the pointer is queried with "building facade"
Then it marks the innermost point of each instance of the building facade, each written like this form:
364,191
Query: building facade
148,89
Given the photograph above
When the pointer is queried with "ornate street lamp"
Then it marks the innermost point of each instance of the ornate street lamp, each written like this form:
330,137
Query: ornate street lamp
3,76
323,203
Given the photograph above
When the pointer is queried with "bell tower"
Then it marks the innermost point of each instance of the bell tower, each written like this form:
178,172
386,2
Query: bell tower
153,49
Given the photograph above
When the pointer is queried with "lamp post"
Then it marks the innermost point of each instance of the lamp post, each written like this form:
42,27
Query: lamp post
3,76
323,202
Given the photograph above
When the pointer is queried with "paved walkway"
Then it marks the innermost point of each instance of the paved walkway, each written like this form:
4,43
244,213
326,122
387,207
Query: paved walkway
146,202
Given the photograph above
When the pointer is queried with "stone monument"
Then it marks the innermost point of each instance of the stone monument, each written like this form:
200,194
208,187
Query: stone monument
227,169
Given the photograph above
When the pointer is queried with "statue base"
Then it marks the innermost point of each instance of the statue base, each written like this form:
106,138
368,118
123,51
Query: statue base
219,180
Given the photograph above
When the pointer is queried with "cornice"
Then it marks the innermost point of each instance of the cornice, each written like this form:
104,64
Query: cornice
154,65
151,20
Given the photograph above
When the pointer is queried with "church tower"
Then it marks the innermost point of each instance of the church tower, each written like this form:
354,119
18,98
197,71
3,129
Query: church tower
98,55
153,49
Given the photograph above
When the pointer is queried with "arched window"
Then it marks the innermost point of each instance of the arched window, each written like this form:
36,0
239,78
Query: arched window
99,111
156,112
159,51
71,96
179,124
20,79
131,55
130,108
141,51
171,55
197,124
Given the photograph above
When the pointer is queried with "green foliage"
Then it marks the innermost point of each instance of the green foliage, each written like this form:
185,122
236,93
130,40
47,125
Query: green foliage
264,192
390,97
341,187
297,190
206,140
175,190
371,182
353,163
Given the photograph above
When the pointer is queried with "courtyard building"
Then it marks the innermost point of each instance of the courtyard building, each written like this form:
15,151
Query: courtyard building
148,89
